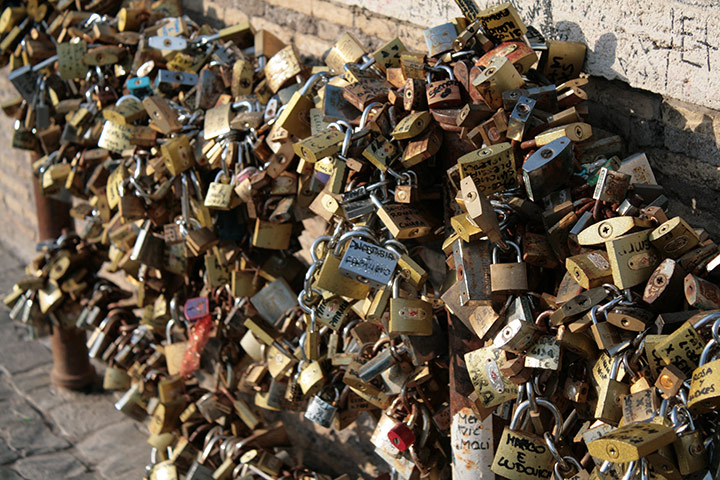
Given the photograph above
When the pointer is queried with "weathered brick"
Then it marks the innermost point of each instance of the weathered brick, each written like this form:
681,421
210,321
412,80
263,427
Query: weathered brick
412,37
382,28
260,23
329,31
302,6
311,45
234,16
337,14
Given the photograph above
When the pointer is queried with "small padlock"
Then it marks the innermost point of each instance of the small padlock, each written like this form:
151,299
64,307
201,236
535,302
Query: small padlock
322,411
508,278
442,93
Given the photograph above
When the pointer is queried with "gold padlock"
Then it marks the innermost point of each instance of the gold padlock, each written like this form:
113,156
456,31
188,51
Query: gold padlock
521,455
508,277
409,316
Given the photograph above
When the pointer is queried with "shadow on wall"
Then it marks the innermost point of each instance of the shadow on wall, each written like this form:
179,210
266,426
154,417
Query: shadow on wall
601,56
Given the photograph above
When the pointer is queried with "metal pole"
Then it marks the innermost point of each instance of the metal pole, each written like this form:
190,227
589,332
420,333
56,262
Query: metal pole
71,365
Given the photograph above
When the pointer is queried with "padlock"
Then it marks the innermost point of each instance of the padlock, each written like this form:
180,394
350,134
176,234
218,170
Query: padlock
502,22
674,238
499,76
321,410
484,369
491,168
610,392
704,389
689,448
517,336
401,220
664,289
548,169
632,258
409,316
174,352
521,455
367,263
442,93
631,442
295,115
590,269
517,52
508,278
519,118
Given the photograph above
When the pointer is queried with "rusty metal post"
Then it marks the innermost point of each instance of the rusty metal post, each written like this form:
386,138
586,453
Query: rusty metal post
71,365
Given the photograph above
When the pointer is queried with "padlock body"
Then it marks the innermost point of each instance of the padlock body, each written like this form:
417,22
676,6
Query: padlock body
508,277
443,94
401,436
410,316
704,395
522,456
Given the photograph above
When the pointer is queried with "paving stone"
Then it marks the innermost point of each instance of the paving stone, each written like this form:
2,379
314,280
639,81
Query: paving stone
7,454
54,465
34,437
122,441
89,414
8,474
17,357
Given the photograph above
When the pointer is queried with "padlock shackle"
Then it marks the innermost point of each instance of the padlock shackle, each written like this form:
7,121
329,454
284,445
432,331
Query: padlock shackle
366,113
496,251
347,236
705,320
311,82
438,69
541,402
706,354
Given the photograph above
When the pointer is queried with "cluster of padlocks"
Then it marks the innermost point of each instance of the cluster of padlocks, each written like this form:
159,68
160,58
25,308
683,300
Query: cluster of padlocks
349,238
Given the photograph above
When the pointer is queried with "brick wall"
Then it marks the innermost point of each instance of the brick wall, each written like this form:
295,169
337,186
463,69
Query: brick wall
18,224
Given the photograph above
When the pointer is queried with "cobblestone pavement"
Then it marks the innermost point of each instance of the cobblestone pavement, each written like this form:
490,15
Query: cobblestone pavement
48,433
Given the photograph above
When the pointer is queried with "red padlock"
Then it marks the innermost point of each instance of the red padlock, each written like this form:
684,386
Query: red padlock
401,436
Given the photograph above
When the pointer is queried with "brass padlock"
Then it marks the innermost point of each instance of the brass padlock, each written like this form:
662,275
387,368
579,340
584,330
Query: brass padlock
689,448
499,76
492,168
704,394
632,259
491,386
673,238
548,169
521,455
632,442
409,316
508,278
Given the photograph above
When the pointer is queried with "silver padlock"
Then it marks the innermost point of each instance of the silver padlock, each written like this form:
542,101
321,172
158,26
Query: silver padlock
274,300
366,262
321,411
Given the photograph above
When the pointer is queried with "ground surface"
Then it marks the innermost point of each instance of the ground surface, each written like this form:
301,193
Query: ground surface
48,433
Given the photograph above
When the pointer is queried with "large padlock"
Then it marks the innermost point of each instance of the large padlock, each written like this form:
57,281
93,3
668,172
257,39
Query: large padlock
322,410
508,278
442,93
409,316
525,456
